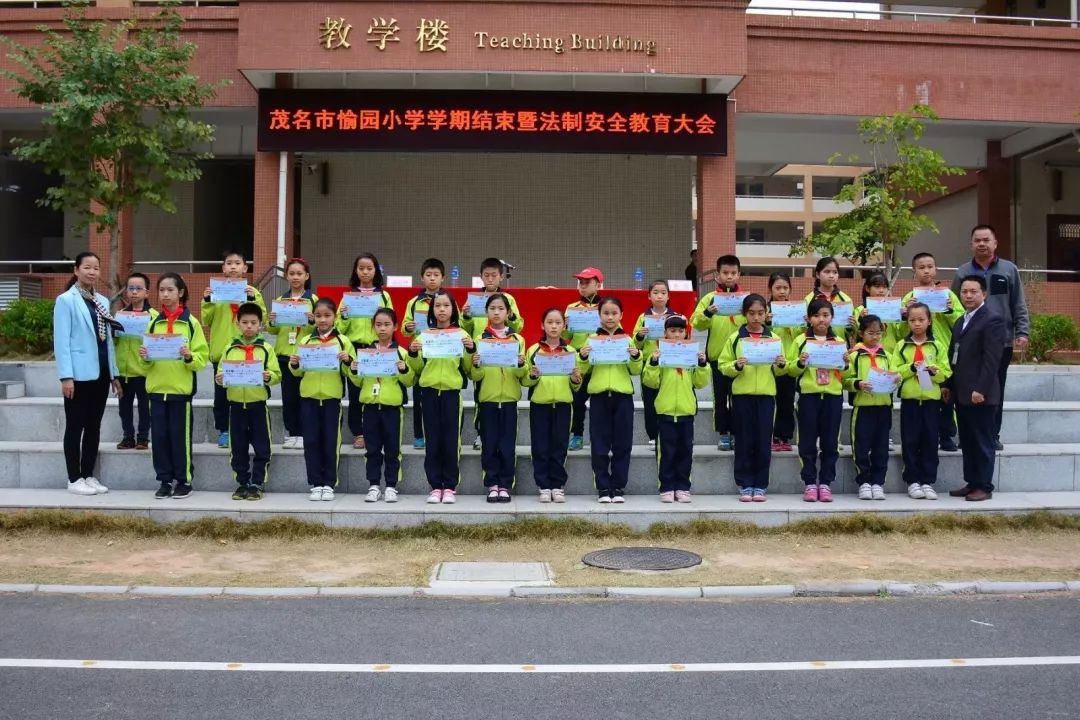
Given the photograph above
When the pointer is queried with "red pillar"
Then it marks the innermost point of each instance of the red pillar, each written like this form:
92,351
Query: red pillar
995,195
267,166
716,201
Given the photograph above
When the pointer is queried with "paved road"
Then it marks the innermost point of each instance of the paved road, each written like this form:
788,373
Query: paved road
427,631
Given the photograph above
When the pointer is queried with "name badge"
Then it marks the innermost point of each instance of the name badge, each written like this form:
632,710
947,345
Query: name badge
956,353
292,338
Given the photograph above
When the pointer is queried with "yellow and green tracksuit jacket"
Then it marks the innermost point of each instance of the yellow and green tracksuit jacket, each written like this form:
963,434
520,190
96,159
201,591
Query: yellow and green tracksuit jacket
807,375
499,384
359,331
648,346
420,303
548,390
934,354
610,378
676,386
860,360
838,297
720,327
391,390
282,346
128,362
578,340
220,320
752,379
177,377
262,352
442,373
475,325
326,384
941,323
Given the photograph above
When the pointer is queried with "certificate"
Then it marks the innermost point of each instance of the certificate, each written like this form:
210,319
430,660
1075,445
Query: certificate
420,318
323,356
842,314
788,314
762,351
240,373
376,362
609,349
582,320
477,303
228,290
441,344
135,323
290,313
498,353
361,304
827,354
678,353
654,326
161,346
887,308
937,299
882,382
562,363
729,303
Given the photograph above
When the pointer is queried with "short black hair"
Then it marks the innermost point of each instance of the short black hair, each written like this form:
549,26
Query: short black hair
140,276
817,305
432,263
749,300
233,251
492,262
249,308
920,256
728,260
675,321
983,226
976,279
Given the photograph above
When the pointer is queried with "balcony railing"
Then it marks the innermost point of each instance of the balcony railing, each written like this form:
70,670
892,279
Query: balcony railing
915,16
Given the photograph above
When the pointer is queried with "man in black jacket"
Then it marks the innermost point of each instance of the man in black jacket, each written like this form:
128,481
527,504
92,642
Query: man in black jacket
975,354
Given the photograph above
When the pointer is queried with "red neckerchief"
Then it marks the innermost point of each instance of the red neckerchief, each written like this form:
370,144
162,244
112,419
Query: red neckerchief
235,309
553,348
872,352
249,352
919,357
820,295
329,336
495,333
171,318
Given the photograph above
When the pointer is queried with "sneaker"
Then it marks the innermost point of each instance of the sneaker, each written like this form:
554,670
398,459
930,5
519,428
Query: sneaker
997,445
223,440
298,443
79,487
358,442
493,494
777,446
558,495
667,497
449,497
241,493
98,487
290,442
373,494
824,493
316,494
419,444
746,494
892,444
504,495
390,494
949,446
476,444
434,497
810,494
142,444
785,446
652,444
683,496
181,491
929,493
618,499
604,499
327,494
164,491
726,443
545,496
254,492
759,495
915,491
865,493
879,492
126,444
576,443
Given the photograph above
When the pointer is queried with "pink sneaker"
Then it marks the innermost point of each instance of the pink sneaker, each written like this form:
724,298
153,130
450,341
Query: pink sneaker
668,496
810,494
683,496
434,497
824,493
449,497
785,446
777,446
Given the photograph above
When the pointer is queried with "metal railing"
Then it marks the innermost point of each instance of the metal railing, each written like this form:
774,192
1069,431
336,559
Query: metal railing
43,266
189,264
913,16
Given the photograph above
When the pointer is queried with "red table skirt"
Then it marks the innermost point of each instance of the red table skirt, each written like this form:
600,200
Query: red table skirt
532,302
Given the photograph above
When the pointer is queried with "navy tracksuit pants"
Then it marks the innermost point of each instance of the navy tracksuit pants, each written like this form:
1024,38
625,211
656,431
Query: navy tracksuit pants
919,434
870,427
611,433
249,424
753,417
442,430
976,424
356,410
170,436
577,418
784,425
549,431
648,398
382,438
321,423
417,414
290,398
498,435
674,451
721,400
221,404
134,389
819,422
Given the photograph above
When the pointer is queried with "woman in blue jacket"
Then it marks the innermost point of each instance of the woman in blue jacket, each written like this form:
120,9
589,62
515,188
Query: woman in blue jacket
86,364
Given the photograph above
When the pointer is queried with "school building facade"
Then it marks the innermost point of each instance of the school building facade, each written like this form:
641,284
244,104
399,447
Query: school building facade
555,135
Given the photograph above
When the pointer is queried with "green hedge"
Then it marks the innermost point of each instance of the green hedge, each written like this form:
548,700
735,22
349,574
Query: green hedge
1052,332
26,327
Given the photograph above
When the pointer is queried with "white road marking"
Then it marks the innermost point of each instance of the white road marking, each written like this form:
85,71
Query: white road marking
533,668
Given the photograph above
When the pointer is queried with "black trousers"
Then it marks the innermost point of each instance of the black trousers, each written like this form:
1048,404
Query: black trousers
170,435
356,410
549,431
382,438
919,436
321,424
498,434
82,426
442,430
674,452
819,423
721,401
577,418
221,404
976,425
611,433
784,426
648,397
249,424
753,417
417,414
946,417
1003,374
290,398
134,389
870,427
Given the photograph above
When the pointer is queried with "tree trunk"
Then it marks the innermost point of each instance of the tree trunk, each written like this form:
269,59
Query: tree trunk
114,260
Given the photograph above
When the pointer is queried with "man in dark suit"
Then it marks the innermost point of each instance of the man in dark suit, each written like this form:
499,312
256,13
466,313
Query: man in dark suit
975,353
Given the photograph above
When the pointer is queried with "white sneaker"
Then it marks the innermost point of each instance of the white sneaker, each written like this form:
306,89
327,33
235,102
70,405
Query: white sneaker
865,493
618,499
476,444
298,443
315,495
929,493
915,491
290,442
558,495
667,497
545,496
390,495
327,494
98,487
652,444
603,499
879,492
79,487
373,494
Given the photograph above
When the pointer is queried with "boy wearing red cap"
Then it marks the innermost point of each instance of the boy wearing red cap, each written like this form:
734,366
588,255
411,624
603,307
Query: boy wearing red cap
589,282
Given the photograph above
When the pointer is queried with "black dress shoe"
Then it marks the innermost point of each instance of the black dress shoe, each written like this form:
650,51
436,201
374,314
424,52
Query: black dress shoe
949,446
961,492
978,495
997,445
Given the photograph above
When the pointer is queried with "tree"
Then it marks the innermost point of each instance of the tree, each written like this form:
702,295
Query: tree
883,218
118,129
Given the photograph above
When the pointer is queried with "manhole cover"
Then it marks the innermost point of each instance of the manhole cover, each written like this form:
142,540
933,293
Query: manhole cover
642,558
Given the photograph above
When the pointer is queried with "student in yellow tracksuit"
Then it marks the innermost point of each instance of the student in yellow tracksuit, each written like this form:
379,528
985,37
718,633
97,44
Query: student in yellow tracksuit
320,402
133,370
753,395
871,415
249,417
676,408
826,287
298,275
876,285
786,385
589,283
657,313
170,385
415,321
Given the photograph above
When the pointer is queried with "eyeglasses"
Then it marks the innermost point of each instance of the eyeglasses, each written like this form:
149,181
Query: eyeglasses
135,288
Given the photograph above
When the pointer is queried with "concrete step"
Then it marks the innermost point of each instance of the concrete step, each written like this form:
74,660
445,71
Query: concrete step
10,389
1020,468
411,510
42,419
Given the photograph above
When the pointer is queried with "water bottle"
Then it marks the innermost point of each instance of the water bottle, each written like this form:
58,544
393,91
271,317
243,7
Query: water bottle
639,279
455,276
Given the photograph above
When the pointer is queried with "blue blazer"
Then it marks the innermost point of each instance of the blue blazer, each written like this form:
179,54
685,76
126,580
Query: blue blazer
75,338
